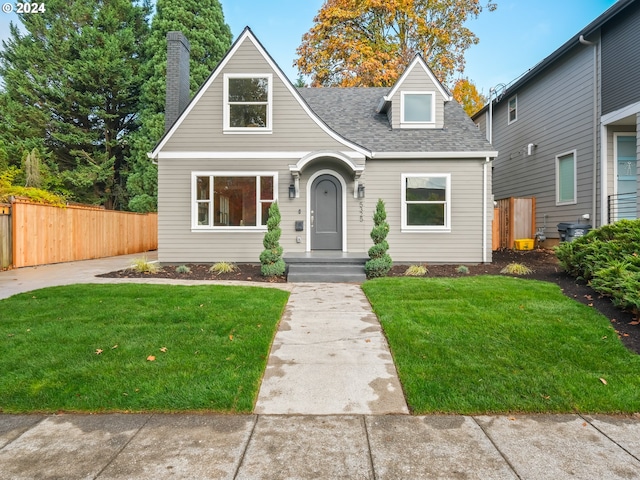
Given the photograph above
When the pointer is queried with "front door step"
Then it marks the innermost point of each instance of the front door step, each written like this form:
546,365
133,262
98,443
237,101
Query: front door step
330,267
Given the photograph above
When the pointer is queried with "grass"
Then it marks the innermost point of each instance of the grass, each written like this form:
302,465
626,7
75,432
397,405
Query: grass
98,348
223,267
490,344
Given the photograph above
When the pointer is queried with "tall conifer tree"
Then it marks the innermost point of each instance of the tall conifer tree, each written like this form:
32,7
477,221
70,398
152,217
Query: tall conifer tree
73,84
202,22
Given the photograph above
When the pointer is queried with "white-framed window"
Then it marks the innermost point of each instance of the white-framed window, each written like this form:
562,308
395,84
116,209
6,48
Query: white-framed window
512,109
426,202
247,103
417,109
232,200
566,185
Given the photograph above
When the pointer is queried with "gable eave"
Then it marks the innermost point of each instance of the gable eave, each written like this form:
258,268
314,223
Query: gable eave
418,60
247,34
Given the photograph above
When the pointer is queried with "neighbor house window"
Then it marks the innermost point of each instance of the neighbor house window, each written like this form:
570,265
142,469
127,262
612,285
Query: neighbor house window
227,200
513,109
566,178
426,202
247,103
417,109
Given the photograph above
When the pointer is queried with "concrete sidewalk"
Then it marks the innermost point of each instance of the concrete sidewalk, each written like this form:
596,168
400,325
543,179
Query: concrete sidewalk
273,447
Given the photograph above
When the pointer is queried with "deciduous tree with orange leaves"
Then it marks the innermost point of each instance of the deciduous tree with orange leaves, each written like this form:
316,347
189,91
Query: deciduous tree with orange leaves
467,95
370,42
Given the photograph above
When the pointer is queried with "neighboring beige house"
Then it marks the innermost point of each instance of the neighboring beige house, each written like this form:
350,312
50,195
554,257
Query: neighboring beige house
249,138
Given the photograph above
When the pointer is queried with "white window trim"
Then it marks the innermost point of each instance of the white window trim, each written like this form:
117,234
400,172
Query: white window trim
446,228
226,115
509,121
212,228
409,124
574,201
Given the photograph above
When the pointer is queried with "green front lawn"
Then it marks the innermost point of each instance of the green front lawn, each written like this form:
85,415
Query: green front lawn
489,344
132,347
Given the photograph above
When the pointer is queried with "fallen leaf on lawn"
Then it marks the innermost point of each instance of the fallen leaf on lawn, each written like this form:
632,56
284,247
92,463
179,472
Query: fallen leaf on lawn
163,349
591,304
125,394
231,337
151,358
98,351
114,347
604,337
603,381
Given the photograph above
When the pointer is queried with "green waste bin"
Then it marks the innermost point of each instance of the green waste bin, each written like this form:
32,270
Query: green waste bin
570,231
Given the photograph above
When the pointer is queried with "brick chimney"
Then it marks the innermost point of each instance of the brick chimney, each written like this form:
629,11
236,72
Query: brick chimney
178,95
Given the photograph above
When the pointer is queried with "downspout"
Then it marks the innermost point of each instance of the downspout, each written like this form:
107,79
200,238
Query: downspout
594,134
484,210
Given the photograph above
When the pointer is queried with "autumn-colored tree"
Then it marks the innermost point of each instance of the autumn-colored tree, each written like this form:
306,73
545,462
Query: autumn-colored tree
467,95
370,42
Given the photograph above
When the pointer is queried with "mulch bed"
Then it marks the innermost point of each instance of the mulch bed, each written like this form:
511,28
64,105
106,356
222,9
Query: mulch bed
543,263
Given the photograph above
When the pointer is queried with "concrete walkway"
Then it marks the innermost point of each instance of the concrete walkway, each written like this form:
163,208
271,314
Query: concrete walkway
329,329
330,357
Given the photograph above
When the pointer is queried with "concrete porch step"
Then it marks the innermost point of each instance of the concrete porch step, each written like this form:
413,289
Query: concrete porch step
330,267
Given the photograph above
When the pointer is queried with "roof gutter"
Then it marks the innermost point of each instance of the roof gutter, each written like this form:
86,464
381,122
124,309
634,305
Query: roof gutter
438,155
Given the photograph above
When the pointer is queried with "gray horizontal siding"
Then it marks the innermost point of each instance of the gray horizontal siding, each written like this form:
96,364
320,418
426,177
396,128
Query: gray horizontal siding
556,113
464,243
293,129
621,60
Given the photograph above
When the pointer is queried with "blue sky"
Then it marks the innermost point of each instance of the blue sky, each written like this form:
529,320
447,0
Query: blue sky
514,38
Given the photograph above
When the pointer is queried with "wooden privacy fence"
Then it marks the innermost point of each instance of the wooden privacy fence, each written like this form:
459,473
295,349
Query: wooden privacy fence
513,218
5,235
43,234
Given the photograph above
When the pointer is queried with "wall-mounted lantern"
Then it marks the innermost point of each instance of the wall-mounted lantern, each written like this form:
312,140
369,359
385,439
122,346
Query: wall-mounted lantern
292,191
360,190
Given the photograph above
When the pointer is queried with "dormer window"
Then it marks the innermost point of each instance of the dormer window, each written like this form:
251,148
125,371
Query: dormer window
417,110
247,103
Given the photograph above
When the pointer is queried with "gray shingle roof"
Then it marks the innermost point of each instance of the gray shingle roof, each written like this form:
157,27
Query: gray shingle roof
351,112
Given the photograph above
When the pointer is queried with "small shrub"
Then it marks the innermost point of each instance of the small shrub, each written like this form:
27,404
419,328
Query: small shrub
609,259
183,269
380,262
515,268
223,267
142,265
271,262
416,271
462,269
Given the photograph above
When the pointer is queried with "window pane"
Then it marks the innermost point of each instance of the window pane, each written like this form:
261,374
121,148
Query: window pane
203,213
566,182
513,109
425,214
248,89
429,189
417,108
235,201
265,211
248,115
266,188
203,188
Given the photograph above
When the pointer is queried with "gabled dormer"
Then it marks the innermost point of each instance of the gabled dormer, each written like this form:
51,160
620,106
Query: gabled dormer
417,99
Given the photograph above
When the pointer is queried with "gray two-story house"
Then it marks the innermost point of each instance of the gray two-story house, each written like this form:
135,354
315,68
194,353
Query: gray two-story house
249,138
567,130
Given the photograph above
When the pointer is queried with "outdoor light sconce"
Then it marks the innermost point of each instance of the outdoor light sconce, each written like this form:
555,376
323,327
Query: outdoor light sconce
292,191
360,190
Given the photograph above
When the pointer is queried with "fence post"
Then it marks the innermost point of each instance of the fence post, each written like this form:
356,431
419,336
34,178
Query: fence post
6,237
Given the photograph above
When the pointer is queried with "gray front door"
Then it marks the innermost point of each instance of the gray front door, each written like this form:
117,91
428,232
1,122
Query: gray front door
326,213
